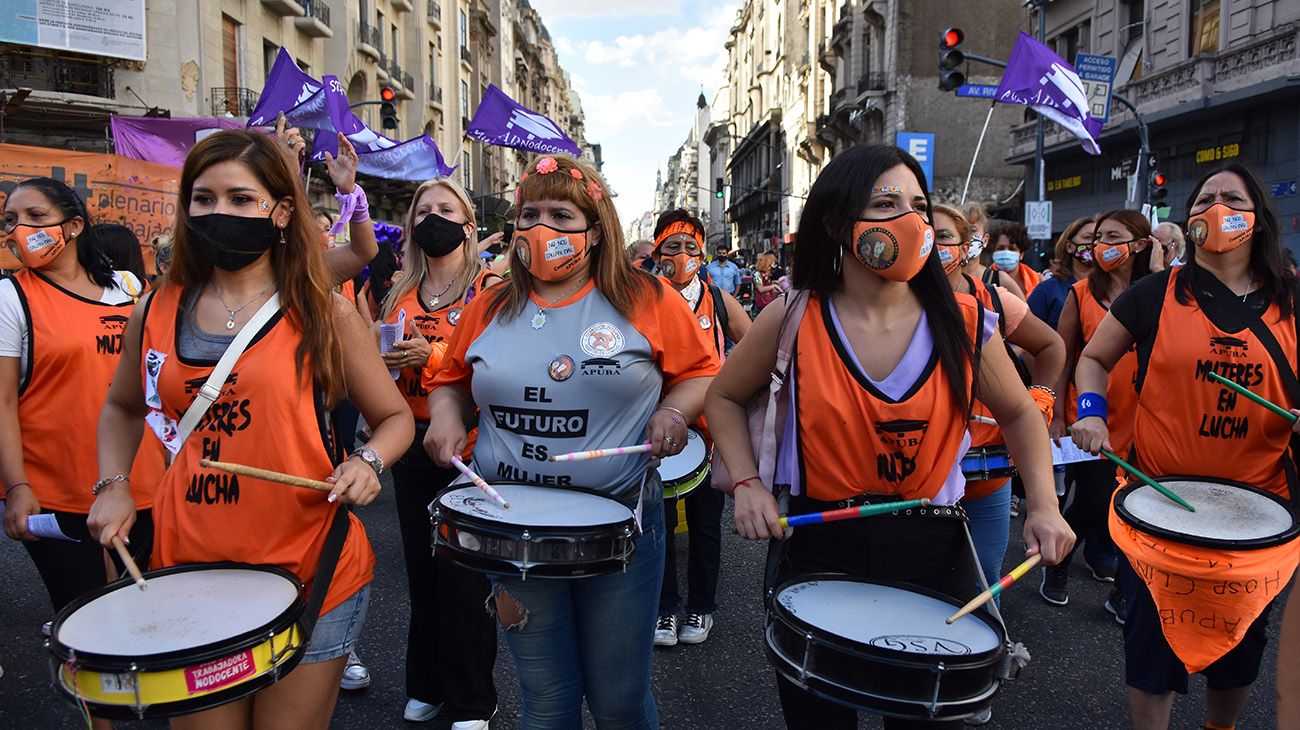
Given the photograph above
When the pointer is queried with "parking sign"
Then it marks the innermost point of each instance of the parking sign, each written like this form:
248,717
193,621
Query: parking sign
921,146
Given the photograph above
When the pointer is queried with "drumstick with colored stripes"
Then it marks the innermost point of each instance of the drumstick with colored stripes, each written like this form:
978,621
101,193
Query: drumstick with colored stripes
268,475
129,562
998,587
1279,410
602,453
1148,481
480,482
849,513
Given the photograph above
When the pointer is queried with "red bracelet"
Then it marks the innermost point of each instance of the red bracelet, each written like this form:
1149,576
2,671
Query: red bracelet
743,482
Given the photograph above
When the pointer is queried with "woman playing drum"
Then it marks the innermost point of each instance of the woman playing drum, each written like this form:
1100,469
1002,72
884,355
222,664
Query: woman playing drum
577,350
679,254
451,643
1227,311
245,233
882,382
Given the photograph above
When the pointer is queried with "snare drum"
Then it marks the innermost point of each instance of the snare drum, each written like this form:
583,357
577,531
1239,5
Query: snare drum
688,469
548,532
199,636
987,462
1228,516
884,647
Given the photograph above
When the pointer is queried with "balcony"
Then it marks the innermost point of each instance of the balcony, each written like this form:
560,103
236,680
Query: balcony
368,40
843,27
50,71
235,101
315,20
401,6
394,73
434,14
871,82
826,57
408,83
464,54
381,67
435,95
283,8
839,98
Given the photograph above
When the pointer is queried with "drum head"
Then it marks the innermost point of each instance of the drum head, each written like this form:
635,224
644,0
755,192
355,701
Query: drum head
537,506
688,462
1227,514
182,609
887,617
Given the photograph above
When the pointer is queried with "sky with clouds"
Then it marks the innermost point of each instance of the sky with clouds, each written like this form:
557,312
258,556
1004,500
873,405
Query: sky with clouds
638,66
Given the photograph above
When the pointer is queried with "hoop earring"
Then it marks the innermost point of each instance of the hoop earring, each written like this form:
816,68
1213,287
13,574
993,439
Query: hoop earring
837,264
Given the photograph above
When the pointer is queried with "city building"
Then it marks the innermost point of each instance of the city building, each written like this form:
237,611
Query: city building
1215,82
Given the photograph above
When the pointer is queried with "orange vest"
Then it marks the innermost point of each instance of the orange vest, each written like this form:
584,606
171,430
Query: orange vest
852,439
1027,278
983,434
1121,389
267,417
1188,424
74,347
437,325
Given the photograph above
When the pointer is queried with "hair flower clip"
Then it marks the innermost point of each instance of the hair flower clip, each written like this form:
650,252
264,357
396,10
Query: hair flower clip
593,189
575,173
547,165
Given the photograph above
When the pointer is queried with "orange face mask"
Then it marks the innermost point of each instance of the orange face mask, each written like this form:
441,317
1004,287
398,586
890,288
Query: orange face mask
550,254
38,245
1111,256
951,256
680,267
1220,229
895,248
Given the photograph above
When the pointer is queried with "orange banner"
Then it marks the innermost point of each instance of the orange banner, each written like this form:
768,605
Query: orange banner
138,195
1206,598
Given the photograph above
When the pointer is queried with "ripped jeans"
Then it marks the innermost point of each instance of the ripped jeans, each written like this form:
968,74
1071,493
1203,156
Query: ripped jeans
591,637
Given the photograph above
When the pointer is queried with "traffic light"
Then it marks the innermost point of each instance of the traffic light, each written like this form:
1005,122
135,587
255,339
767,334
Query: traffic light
1158,182
717,188
951,59
388,107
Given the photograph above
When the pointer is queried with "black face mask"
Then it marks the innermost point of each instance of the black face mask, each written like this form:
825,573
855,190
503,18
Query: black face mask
231,242
436,236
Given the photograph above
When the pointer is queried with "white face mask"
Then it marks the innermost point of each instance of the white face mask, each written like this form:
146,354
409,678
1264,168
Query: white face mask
1006,260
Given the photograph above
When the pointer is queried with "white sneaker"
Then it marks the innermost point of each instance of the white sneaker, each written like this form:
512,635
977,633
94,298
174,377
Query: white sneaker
417,711
695,628
470,725
355,674
666,631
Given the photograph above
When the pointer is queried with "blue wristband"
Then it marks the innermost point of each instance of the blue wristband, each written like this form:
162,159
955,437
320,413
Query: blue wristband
1092,404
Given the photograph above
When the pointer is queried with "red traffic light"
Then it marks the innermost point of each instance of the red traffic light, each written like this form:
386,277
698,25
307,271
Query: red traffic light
387,94
1160,179
951,38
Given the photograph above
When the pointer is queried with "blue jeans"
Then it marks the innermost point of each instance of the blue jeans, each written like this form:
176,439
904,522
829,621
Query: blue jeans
336,632
591,637
990,528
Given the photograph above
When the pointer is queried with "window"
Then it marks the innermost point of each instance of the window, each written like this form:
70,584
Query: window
1134,23
1205,26
269,52
394,51
229,51
464,100
379,31
464,31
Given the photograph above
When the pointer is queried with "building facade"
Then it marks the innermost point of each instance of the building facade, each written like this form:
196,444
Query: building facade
1216,81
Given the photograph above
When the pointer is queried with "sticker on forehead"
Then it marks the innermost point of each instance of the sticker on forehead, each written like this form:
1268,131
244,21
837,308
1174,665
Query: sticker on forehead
558,248
264,206
887,189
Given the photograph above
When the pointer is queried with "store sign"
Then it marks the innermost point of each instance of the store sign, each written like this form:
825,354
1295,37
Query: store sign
99,27
1064,183
1219,152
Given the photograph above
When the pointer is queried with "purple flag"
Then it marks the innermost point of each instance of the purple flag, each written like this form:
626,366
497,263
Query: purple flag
164,141
501,121
416,159
292,92
1044,81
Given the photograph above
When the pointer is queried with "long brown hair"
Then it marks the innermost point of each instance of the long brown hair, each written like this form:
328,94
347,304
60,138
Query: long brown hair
298,265
414,265
623,284
1101,282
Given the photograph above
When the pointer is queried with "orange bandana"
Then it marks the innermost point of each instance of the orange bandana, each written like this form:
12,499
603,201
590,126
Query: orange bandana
676,227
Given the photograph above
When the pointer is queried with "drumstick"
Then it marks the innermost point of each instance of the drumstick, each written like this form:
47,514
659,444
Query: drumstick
602,453
984,419
129,561
479,482
1279,410
997,588
268,475
1148,480
848,513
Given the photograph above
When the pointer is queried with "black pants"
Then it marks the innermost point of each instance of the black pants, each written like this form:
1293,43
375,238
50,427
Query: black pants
70,569
452,642
1093,483
704,552
929,551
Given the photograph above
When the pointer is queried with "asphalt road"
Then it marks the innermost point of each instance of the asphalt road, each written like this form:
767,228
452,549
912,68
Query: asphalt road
1075,679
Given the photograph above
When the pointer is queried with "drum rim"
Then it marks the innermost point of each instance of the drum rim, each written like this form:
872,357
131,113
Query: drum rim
440,511
183,658
1258,543
974,660
695,473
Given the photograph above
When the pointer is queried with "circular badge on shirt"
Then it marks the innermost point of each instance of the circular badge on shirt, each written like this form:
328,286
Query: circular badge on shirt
453,317
602,339
877,248
560,368
705,322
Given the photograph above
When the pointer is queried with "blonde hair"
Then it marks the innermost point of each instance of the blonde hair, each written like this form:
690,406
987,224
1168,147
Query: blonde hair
766,261
414,266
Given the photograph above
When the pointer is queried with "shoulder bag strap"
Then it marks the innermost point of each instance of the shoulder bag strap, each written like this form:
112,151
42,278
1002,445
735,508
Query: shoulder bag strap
778,397
721,317
211,389
329,560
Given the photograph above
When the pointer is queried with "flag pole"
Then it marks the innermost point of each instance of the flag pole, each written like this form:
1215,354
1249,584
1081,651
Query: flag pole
978,144
459,151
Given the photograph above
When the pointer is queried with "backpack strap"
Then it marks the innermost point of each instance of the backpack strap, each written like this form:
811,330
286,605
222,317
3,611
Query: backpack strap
721,318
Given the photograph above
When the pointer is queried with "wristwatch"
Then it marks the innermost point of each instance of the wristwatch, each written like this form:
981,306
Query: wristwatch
368,455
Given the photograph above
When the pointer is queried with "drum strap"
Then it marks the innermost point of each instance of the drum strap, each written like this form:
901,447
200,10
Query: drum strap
329,560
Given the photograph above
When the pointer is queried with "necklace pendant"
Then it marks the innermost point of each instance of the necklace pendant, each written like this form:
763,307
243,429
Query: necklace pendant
230,323
539,320
433,303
